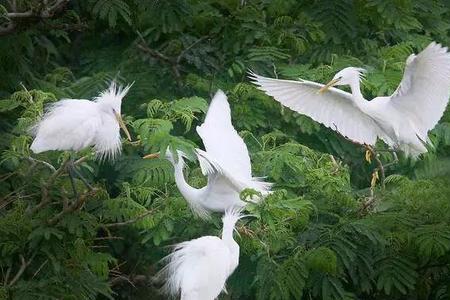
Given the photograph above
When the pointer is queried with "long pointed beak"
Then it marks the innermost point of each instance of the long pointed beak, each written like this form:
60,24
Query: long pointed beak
122,125
150,156
328,85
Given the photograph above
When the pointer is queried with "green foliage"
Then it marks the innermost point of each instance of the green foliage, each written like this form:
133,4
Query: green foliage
322,233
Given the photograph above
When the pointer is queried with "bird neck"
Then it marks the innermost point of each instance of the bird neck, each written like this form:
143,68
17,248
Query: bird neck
191,194
227,238
355,86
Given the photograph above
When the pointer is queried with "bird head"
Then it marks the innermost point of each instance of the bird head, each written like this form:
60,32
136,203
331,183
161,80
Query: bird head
344,77
111,102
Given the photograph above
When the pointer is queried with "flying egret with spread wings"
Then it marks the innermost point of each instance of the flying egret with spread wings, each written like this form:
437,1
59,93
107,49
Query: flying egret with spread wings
225,162
198,269
402,120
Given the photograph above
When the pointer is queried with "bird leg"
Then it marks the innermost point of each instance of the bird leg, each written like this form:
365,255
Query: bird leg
378,173
72,181
73,171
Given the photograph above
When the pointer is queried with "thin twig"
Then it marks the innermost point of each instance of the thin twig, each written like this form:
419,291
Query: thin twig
40,268
173,62
80,160
118,224
45,199
23,266
5,282
108,238
185,50
42,162
73,207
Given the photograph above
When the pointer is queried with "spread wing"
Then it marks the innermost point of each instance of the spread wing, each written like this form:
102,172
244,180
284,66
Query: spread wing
334,108
424,90
226,152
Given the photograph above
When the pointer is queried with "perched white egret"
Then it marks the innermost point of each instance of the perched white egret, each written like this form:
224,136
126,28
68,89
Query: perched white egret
72,124
402,120
226,162
198,269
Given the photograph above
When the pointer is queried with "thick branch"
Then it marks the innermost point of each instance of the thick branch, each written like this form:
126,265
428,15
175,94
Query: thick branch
15,17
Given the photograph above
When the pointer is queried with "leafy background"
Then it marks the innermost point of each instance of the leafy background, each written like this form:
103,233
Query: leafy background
324,234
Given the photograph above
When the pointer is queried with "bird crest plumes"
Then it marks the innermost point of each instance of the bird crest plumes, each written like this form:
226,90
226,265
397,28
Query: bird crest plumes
359,72
114,93
230,218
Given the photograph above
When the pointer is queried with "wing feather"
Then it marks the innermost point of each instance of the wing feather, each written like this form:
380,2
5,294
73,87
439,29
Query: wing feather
68,125
424,90
334,109
226,151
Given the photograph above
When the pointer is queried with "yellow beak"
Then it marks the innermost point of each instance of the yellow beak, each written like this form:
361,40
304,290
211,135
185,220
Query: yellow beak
328,85
122,125
152,155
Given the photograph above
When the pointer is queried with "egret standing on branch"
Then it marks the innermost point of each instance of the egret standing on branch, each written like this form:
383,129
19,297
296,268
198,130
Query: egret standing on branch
198,269
226,162
402,120
72,124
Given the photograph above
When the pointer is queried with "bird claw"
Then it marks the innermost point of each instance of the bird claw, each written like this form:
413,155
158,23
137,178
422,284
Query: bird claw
375,178
368,156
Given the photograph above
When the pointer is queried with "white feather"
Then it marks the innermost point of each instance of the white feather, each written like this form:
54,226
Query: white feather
198,269
73,124
334,109
401,120
226,162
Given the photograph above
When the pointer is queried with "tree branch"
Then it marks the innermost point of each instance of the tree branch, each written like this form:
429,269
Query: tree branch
134,220
15,17
46,186
23,266
73,207
173,62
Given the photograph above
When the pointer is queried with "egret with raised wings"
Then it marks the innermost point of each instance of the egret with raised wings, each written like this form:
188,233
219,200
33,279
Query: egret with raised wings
73,124
198,269
402,120
225,162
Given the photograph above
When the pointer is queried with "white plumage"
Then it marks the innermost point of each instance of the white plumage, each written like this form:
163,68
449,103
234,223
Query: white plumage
226,162
72,124
198,269
402,120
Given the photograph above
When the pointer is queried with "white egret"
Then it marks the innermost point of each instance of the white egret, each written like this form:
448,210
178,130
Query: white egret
199,268
226,162
402,120
73,124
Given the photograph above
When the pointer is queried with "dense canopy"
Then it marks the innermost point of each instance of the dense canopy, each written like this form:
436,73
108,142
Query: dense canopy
330,230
